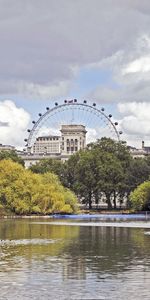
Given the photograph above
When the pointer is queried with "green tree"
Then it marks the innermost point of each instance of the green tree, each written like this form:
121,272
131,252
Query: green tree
49,165
11,154
99,170
140,197
138,171
110,178
24,192
84,177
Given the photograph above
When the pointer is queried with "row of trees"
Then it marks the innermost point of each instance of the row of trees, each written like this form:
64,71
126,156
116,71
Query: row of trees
23,192
105,171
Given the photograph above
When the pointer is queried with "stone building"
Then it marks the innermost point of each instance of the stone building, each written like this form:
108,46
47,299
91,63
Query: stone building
6,147
73,138
47,145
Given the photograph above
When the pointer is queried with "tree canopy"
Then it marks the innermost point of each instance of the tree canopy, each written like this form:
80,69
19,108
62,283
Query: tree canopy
23,192
99,172
140,197
11,154
103,172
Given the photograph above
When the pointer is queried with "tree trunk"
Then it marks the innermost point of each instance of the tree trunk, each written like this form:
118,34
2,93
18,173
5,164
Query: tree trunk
109,201
96,200
90,200
115,206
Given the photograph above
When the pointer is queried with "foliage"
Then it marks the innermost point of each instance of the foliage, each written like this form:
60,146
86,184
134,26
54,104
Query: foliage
138,172
49,165
24,192
140,197
99,172
104,171
11,154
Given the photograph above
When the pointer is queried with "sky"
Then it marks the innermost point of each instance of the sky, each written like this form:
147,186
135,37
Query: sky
98,50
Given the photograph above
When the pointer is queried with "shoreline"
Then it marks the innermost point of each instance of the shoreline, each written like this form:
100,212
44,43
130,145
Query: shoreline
84,215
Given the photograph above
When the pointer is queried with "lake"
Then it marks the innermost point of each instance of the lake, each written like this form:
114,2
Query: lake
74,259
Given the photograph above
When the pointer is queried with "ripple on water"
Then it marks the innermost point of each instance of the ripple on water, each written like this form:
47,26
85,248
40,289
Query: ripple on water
131,224
147,232
24,242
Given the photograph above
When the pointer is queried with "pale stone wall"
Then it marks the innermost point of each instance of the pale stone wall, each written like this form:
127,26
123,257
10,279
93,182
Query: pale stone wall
73,138
46,144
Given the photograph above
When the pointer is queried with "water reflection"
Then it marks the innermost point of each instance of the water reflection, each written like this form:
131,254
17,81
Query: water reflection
39,260
105,250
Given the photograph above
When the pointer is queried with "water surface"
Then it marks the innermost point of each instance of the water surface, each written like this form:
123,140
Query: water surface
49,259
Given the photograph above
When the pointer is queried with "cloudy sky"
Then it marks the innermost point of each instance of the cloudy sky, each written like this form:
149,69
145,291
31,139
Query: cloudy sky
97,50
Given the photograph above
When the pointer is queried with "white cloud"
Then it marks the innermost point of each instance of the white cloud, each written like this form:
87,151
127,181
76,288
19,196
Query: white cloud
130,71
135,122
97,133
16,120
51,42
45,45
141,64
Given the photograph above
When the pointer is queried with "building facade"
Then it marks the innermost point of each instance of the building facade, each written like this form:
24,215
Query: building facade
47,145
73,138
6,147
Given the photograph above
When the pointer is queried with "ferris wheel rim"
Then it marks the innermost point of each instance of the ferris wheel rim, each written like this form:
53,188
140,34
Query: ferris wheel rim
67,104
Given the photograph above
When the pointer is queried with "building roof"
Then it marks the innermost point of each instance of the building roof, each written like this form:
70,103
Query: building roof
48,136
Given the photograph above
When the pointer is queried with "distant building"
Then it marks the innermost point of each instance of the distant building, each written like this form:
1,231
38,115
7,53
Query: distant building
142,152
145,148
47,145
73,138
6,147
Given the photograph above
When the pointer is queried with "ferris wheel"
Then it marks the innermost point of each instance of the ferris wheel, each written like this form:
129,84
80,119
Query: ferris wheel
98,124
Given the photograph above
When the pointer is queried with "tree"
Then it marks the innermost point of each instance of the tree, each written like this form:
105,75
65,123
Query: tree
110,178
140,197
138,171
99,170
49,165
85,181
24,192
11,154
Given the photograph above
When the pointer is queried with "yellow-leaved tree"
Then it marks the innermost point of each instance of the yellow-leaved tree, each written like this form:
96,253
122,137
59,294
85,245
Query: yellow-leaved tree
24,192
